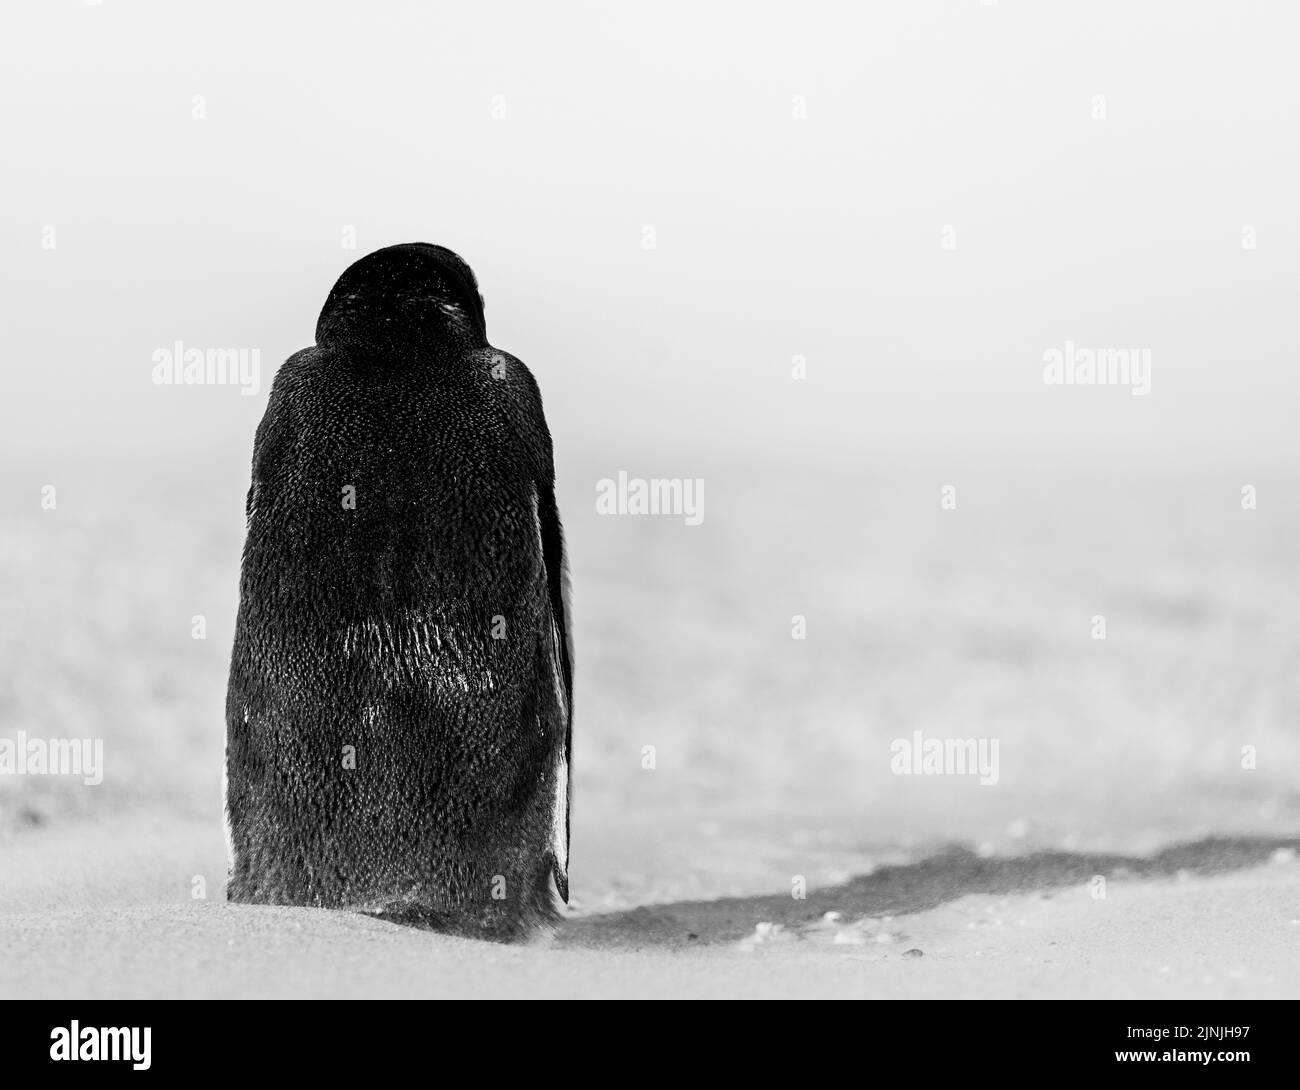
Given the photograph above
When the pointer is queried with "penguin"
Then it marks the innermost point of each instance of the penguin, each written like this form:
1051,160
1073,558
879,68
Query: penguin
400,704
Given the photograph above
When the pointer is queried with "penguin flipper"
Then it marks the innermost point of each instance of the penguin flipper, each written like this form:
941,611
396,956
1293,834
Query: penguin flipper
560,656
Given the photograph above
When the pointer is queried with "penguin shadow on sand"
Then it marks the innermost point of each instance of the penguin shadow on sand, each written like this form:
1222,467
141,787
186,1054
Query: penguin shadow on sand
901,890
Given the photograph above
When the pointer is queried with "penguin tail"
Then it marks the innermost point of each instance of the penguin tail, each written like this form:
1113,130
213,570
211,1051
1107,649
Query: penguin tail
561,879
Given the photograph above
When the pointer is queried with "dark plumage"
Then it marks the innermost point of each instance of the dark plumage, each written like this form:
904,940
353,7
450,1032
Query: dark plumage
425,626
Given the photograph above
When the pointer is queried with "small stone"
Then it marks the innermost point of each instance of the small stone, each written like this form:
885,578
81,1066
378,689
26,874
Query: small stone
914,953
29,815
769,932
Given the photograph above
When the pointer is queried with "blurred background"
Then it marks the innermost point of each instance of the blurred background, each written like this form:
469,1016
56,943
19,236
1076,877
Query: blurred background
672,213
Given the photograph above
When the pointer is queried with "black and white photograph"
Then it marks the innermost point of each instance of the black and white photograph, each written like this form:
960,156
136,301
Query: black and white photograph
689,501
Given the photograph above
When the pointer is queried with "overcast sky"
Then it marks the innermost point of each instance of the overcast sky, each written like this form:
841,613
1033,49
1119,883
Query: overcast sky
1119,175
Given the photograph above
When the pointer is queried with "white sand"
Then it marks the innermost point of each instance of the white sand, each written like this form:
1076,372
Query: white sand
772,755
106,912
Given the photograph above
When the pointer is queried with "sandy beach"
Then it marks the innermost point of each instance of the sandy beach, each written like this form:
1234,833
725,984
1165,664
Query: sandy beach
1215,919
1119,759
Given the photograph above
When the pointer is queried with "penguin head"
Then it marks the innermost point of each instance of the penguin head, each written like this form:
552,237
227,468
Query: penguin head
401,295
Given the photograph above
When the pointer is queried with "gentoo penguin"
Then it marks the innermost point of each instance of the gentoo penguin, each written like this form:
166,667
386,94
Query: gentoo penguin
400,703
